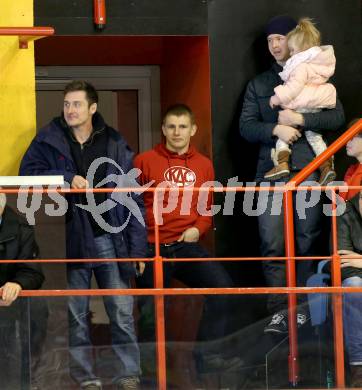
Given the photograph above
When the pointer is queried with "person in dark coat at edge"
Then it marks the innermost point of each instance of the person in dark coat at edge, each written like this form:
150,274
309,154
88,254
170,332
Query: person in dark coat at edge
74,145
17,242
262,125
349,233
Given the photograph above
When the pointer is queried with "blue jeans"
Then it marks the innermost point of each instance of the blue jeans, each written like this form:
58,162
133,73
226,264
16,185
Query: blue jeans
119,310
271,232
352,320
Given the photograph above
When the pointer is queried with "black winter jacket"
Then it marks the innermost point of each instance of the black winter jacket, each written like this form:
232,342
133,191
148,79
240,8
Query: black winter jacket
350,227
50,154
17,242
349,233
258,120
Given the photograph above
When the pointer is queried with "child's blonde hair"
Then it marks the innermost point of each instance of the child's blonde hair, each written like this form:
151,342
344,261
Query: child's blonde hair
305,35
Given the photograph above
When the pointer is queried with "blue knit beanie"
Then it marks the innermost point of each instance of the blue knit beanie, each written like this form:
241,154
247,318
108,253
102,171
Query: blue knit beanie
281,25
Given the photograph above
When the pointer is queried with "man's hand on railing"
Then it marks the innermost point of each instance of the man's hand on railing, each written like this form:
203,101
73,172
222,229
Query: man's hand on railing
79,182
10,291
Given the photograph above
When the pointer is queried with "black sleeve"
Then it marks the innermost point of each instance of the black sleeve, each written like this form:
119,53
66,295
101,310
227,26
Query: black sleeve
331,119
28,275
252,128
344,234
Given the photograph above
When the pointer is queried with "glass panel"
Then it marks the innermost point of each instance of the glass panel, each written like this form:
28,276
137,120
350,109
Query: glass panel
205,348
14,339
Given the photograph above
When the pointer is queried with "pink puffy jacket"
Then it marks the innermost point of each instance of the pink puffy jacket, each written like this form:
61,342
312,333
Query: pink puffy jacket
305,77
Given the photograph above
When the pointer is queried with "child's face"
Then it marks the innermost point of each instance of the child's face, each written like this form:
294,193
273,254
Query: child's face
354,147
293,47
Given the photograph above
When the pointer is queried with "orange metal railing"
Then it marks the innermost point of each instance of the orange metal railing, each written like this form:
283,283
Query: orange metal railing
27,34
291,274
159,292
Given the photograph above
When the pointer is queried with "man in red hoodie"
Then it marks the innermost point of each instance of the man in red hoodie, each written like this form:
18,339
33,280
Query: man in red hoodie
182,221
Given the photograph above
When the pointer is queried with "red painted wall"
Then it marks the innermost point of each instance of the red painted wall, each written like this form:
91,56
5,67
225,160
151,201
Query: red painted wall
185,77
98,50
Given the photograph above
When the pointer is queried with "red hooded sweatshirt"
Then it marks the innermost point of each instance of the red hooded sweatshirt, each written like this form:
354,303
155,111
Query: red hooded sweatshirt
170,170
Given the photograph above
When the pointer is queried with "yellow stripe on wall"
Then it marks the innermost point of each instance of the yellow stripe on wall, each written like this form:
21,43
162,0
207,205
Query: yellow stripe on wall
17,87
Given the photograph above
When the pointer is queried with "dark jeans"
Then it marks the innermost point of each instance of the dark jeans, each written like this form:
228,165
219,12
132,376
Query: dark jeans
271,232
15,345
23,327
39,314
119,310
217,308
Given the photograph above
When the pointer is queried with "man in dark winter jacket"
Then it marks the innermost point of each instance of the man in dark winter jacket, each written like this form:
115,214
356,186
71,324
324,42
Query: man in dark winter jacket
88,153
17,242
261,124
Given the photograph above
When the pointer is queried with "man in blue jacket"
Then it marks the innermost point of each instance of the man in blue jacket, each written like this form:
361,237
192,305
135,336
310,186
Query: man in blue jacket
262,125
80,146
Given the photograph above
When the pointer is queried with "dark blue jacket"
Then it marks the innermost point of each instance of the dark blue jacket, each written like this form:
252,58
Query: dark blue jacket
17,242
258,120
49,154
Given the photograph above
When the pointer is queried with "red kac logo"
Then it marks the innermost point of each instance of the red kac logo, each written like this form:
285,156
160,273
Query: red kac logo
180,176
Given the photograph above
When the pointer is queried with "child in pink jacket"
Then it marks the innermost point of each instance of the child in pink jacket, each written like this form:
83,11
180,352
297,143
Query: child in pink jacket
305,89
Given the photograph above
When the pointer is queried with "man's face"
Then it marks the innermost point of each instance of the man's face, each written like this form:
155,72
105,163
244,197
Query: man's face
178,131
278,47
1,211
77,113
354,148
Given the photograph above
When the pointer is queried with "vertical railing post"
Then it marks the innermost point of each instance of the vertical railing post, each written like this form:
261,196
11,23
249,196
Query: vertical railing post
337,303
159,304
291,282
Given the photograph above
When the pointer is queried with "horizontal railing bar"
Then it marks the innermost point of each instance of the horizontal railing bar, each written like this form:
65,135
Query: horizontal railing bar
103,260
180,259
284,188
29,30
38,180
191,291
165,259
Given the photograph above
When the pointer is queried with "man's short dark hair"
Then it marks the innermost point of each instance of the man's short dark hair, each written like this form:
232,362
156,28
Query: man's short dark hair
80,85
178,110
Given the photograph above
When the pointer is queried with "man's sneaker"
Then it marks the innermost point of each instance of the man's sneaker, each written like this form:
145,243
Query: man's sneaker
278,324
128,383
91,385
301,319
